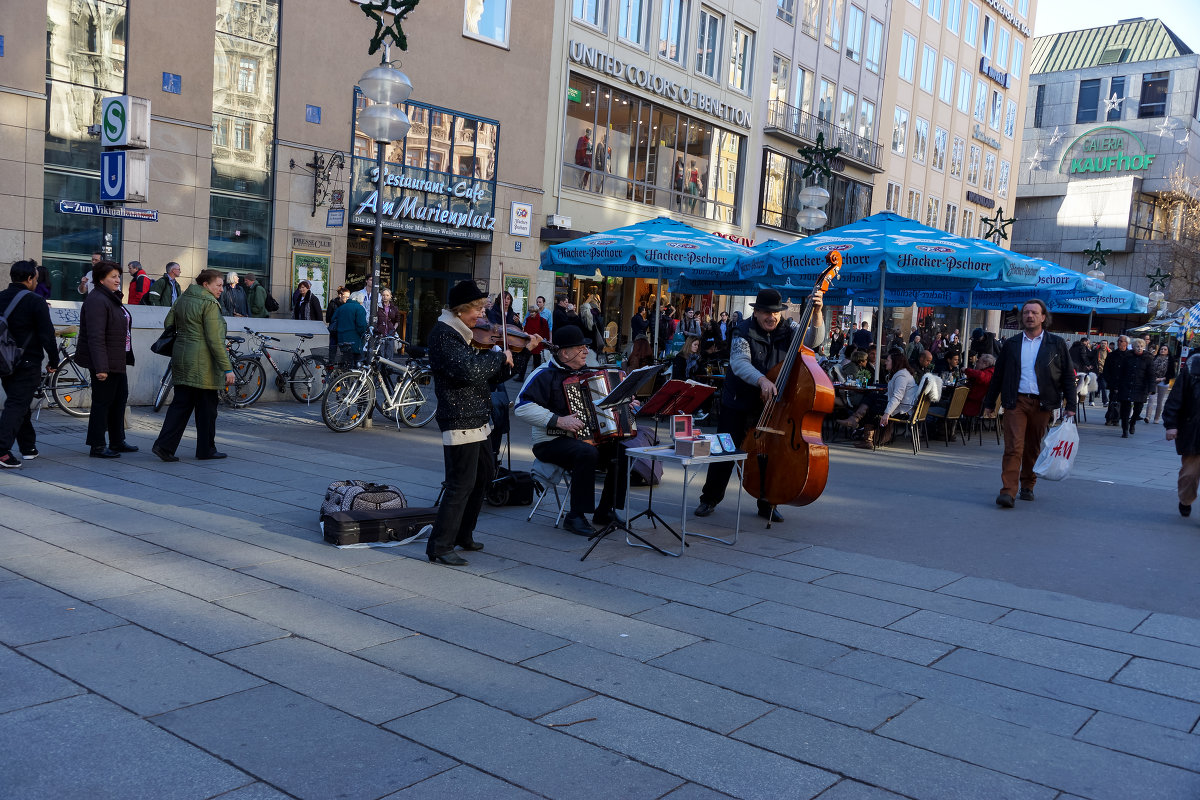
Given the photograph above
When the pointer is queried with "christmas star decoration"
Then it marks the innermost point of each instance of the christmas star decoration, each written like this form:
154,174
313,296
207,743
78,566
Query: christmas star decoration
1113,103
1035,160
1097,255
818,158
1165,127
1186,136
376,10
1056,137
997,226
1158,279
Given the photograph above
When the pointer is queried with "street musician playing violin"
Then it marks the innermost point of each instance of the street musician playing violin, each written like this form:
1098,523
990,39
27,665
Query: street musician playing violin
543,403
758,344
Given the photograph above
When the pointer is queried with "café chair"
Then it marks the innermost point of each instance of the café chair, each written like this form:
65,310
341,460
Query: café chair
990,416
951,417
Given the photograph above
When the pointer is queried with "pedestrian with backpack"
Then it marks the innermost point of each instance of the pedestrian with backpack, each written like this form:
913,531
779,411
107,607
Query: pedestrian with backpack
25,333
139,284
165,291
256,296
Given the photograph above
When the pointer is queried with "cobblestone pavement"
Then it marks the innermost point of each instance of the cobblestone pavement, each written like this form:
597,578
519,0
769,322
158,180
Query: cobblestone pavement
181,631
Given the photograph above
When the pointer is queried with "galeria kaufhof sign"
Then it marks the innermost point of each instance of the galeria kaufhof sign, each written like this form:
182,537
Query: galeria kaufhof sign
1107,149
424,202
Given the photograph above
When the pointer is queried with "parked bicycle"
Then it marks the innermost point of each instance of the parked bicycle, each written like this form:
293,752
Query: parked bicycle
69,387
305,375
166,384
401,392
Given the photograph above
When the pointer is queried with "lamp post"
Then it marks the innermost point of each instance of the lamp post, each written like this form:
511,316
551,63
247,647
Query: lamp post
812,200
386,87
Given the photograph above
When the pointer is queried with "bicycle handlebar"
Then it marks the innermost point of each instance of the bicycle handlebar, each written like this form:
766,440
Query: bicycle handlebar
261,336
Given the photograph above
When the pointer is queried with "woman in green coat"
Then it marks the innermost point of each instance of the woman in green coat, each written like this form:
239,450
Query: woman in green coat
200,366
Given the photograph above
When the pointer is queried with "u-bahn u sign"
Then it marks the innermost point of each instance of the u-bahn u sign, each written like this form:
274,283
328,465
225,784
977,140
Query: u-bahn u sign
1107,149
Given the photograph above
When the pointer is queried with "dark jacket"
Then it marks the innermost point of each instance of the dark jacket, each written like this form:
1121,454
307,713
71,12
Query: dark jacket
1182,411
1082,358
30,327
562,318
862,339
461,374
1055,375
314,307
637,325
256,300
163,292
334,305
103,329
349,324
1129,375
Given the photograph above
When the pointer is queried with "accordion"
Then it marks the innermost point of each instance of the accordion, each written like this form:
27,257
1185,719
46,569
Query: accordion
584,391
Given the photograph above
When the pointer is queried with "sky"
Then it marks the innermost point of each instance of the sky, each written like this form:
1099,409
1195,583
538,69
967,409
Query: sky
1056,16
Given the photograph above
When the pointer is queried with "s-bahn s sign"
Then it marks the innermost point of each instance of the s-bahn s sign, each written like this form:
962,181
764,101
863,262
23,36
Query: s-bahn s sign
125,122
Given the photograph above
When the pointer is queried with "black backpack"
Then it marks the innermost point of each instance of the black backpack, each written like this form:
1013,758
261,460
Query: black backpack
10,351
271,304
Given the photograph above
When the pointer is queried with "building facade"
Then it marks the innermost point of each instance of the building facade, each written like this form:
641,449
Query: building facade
1109,162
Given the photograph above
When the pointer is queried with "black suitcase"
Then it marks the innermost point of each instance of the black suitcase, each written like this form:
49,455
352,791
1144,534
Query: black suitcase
382,525
510,488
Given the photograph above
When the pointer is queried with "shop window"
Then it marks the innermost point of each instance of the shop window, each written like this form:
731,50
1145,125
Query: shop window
593,12
1116,94
672,31
874,44
1153,102
708,43
631,21
1089,101
487,20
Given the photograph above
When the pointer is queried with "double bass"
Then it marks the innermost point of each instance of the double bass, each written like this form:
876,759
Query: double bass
788,463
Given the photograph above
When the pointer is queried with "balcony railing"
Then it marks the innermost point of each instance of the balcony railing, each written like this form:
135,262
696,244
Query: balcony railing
799,124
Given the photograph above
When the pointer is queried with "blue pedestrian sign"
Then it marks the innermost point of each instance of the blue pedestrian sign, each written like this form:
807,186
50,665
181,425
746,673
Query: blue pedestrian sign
112,176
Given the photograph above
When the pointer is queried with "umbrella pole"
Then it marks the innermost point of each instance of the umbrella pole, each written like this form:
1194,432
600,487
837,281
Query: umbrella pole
657,312
879,344
964,336
1091,311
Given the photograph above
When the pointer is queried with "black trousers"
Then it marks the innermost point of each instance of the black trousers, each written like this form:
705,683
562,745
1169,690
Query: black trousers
581,459
189,400
735,422
107,416
469,469
16,422
1131,412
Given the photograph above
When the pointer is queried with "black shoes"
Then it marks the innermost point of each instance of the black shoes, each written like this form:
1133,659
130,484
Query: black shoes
123,447
472,546
604,520
450,559
9,461
771,514
103,452
1185,511
212,456
1004,500
704,509
30,453
1025,494
1124,435
1132,427
579,526
163,454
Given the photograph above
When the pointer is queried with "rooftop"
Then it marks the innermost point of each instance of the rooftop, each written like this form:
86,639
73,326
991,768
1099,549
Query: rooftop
1128,41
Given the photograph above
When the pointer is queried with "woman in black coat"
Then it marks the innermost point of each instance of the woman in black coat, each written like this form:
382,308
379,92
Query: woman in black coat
306,305
106,349
1130,376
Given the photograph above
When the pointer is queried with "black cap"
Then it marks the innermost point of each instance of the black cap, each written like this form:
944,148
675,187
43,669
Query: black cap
769,300
465,292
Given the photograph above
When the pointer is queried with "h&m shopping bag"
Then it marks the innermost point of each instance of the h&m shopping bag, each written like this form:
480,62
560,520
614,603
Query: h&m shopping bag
1059,448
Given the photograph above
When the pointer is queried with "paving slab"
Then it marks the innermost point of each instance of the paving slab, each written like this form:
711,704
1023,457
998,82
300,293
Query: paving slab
882,762
749,561
431,580
594,627
88,747
97,543
80,576
670,588
312,618
1057,761
1092,662
847,632
700,756
1107,638
532,756
692,791
883,569
27,683
255,791
1143,739
853,790
1051,604
142,671
696,570
1075,689
1171,627
212,547
915,598
783,683
818,598
752,636
578,589
193,576
305,748
696,702
1155,676
191,621
337,586
512,688
348,683
34,613
462,783
470,629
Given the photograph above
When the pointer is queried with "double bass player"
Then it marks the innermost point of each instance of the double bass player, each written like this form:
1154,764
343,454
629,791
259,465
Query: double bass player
758,344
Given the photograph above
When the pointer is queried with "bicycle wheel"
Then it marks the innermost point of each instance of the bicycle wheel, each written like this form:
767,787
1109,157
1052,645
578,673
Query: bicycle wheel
249,379
72,388
418,402
348,400
309,379
166,388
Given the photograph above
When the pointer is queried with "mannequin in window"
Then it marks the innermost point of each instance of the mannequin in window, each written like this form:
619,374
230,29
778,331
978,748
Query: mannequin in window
583,157
603,154
693,186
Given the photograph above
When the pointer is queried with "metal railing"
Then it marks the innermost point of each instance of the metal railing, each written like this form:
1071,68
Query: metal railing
801,124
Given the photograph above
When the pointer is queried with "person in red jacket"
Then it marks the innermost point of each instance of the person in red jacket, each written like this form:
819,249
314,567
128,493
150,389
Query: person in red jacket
534,323
139,283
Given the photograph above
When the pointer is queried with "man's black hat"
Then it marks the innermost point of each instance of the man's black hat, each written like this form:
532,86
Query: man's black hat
769,300
464,292
569,336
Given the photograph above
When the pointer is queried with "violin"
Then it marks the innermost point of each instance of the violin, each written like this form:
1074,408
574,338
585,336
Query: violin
485,335
788,462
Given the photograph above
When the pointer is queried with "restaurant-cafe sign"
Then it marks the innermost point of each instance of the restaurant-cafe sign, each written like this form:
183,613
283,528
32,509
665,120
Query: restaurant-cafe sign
440,204
1106,149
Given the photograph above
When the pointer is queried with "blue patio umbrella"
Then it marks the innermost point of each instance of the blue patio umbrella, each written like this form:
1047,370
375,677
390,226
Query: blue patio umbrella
726,281
647,249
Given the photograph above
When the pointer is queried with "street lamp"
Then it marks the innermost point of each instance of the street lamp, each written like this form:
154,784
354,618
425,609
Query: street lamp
810,216
386,87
